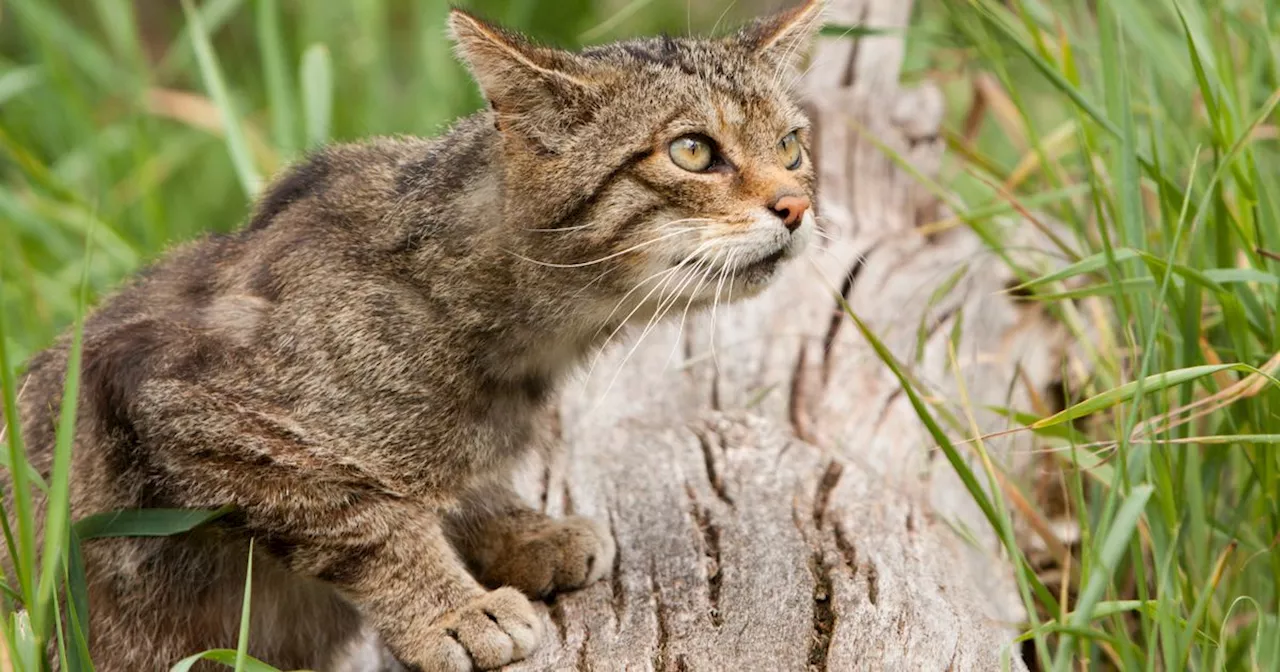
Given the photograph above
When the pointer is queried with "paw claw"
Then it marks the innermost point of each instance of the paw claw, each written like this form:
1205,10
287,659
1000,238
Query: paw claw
561,555
493,630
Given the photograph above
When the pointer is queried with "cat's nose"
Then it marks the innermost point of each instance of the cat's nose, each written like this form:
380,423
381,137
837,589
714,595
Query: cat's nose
791,209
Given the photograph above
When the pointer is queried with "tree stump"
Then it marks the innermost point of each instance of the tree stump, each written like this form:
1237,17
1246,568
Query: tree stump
775,500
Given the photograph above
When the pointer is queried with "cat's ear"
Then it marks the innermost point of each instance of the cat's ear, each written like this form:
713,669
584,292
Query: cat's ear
783,40
518,78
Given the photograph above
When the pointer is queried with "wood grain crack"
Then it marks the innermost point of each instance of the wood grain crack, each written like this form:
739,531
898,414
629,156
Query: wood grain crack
715,387
582,664
566,499
711,552
661,653
796,412
838,315
824,617
884,409
686,346
848,551
822,498
873,582
558,618
618,598
940,321
709,461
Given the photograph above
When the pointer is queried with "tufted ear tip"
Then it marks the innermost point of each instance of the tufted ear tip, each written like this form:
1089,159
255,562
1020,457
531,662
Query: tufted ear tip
480,42
784,38
503,61
466,28
529,87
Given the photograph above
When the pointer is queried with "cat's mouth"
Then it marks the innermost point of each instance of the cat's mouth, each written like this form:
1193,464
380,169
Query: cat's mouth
752,271
761,267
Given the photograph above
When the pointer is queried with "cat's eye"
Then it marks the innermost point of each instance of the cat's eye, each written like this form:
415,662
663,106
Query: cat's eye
693,153
789,151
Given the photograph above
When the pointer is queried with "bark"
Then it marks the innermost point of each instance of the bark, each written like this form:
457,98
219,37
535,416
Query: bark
776,502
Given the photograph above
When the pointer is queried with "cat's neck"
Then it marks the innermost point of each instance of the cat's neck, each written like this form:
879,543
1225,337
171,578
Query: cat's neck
538,320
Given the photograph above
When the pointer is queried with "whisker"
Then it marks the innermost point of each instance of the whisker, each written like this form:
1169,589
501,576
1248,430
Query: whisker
663,272
826,279
689,220
781,70
601,260
666,276
733,277
664,307
618,370
662,277
598,278
722,15
694,273
706,275
582,227
715,306
822,250
814,64
600,352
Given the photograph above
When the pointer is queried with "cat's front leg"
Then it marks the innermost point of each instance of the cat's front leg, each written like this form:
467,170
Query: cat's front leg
433,615
386,553
508,543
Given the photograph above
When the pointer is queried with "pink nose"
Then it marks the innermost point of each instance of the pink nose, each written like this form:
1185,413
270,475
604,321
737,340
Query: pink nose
791,209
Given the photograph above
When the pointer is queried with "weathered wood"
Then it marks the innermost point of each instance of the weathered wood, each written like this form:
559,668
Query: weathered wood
776,503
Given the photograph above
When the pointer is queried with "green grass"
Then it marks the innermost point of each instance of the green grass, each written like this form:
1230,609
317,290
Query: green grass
1154,125
1148,128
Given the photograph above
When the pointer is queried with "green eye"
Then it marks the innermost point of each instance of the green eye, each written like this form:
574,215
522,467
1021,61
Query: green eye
692,153
789,151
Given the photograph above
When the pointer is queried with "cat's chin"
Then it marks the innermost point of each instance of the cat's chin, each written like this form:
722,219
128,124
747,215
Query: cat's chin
753,279
756,278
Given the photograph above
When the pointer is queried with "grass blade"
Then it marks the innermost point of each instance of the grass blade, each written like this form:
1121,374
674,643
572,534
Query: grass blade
1152,383
317,93
225,657
27,650
22,550
145,522
241,156
58,506
1114,546
17,81
77,607
958,463
275,71
242,645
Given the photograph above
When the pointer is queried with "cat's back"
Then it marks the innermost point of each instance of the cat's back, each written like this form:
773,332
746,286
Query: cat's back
156,324
232,310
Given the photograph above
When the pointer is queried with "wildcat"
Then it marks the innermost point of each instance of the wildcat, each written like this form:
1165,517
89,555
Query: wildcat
360,369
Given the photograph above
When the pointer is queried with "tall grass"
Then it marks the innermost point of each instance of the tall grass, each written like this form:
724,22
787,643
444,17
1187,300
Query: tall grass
1146,127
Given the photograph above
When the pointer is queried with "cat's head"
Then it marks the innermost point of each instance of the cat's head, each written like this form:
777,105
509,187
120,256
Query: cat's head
677,168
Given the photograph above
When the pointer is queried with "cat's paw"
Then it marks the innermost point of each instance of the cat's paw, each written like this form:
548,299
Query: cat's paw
553,557
495,629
